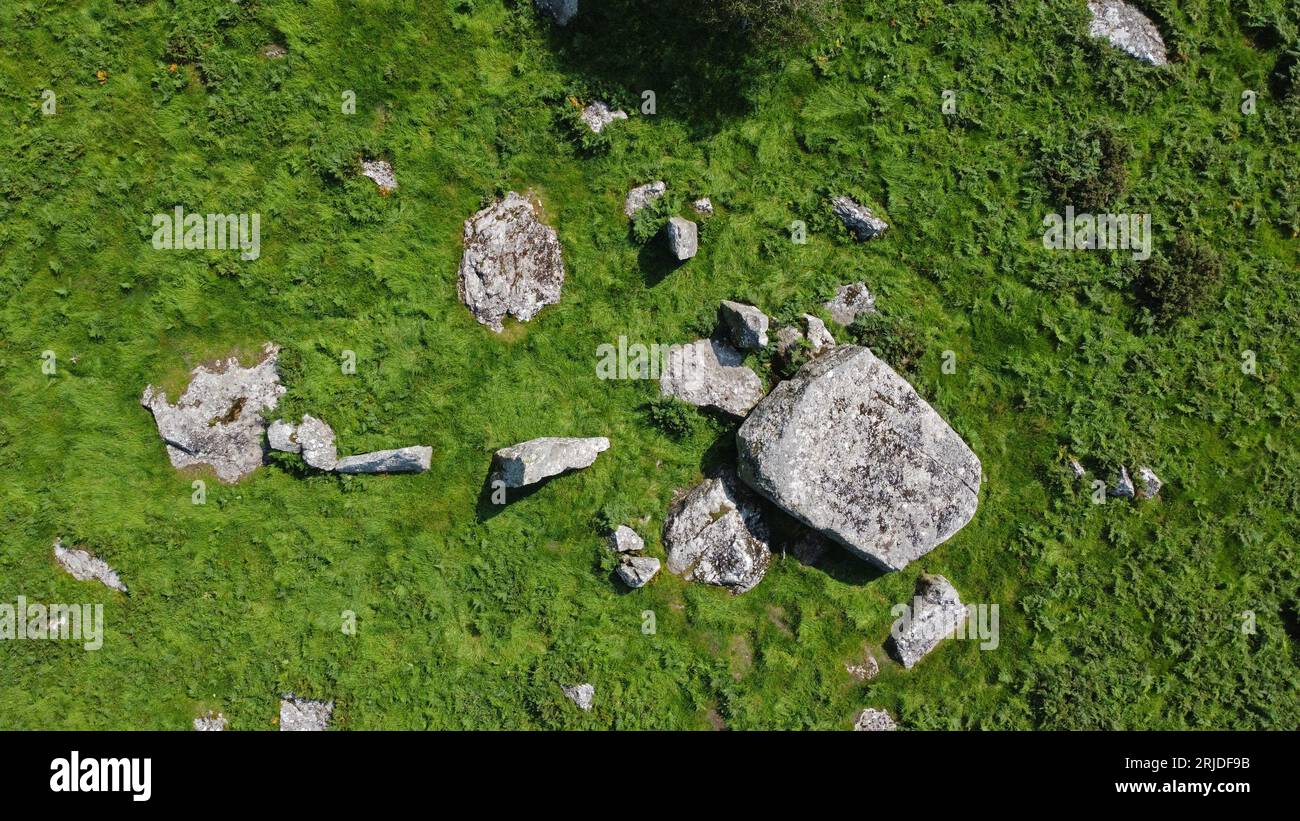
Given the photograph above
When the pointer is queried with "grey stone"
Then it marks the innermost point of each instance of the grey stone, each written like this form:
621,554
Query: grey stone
86,567
710,374
819,336
703,206
1151,483
382,173
414,459
1077,469
512,263
561,10
211,723
1123,487
582,695
538,459
872,719
274,51
643,195
715,534
218,420
747,325
858,219
637,571
683,238
935,613
301,715
317,442
280,436
598,115
851,300
1128,29
866,671
849,448
625,540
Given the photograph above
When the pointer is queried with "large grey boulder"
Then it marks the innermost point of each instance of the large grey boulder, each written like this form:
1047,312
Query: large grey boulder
301,715
561,10
218,420
746,324
849,448
317,442
643,195
538,459
1128,29
414,459
873,720
683,238
582,695
598,115
86,567
850,301
715,534
637,571
858,219
935,613
711,374
512,263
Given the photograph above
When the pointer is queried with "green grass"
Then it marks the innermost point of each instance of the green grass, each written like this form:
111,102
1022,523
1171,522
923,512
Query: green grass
1117,615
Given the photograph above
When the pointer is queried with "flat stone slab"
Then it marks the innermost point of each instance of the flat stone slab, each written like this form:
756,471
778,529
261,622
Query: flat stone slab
213,722
710,374
1126,28
414,459
715,534
302,715
382,174
86,567
849,448
512,263
537,459
934,614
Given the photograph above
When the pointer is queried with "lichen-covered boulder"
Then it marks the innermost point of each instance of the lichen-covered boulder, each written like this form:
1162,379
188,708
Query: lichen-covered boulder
598,115
381,172
212,722
711,374
1150,482
1128,29
538,459
583,695
715,534
849,448
858,219
746,324
934,614
512,263
624,539
316,439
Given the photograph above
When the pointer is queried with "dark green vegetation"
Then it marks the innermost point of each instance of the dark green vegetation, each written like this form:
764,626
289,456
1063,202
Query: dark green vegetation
1116,615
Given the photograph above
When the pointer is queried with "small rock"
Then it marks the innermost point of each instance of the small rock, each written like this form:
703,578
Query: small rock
1128,29
703,206
1123,487
86,567
872,719
580,694
382,173
301,715
598,115
274,51
537,459
637,571
748,325
625,540
865,671
715,534
512,263
414,459
561,10
317,442
280,436
643,195
935,614
858,219
819,336
211,723
710,374
1151,483
851,300
1077,469
683,238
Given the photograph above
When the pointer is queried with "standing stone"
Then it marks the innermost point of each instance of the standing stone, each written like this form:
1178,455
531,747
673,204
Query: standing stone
637,571
849,448
872,719
415,459
715,534
218,420
747,324
710,374
643,195
851,300
512,263
86,567
625,540
561,10
683,238
1151,483
858,219
598,115
1128,29
317,442
538,459
936,612
582,695
301,715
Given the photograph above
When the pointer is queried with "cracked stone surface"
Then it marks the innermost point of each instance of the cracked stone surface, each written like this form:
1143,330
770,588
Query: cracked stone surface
710,374
537,459
715,534
302,715
1128,29
280,436
218,421
317,442
933,615
858,219
211,723
1123,487
512,263
643,195
848,447
86,567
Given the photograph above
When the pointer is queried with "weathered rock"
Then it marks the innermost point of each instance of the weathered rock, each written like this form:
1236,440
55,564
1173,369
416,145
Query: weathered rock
1123,487
213,722
538,459
512,263
747,324
683,238
317,442
625,540
715,534
301,715
1128,29
218,421
414,459
281,436
561,10
787,338
582,695
710,374
849,448
868,669
851,300
637,571
819,338
643,195
598,115
858,219
1150,482
273,51
703,206
382,173
86,567
1077,469
872,719
935,613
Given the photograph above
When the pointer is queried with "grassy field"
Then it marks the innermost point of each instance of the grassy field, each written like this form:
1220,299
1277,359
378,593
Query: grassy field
1117,615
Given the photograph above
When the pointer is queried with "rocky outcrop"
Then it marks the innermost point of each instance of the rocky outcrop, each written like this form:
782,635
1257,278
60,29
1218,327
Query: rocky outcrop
537,459
858,219
746,325
710,374
849,448
86,567
598,115
213,722
382,173
218,421
643,195
561,10
301,715
715,534
851,300
414,459
583,695
935,613
1128,29
683,238
637,571
316,439
872,719
512,263
624,539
